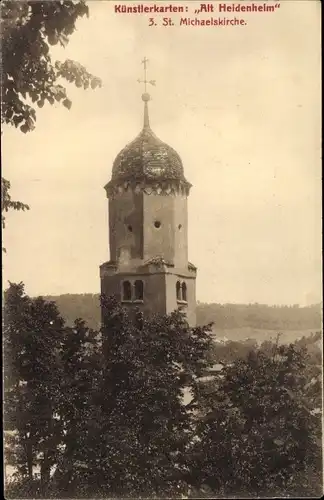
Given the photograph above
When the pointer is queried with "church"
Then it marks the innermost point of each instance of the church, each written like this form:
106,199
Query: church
148,227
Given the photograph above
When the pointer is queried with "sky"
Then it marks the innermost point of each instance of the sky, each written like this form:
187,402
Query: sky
241,105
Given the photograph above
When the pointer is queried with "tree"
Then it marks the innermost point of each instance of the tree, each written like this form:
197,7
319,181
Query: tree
29,76
99,417
28,30
139,426
33,332
78,407
49,380
7,203
259,434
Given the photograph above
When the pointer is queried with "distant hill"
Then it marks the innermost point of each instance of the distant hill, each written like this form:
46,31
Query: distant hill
261,316
245,318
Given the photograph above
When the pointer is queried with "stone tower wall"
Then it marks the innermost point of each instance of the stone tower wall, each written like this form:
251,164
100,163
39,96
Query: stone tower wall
126,225
169,240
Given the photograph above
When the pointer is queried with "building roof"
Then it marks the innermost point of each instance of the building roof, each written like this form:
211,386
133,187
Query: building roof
147,157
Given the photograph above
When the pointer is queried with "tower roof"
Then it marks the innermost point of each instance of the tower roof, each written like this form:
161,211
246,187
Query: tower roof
147,157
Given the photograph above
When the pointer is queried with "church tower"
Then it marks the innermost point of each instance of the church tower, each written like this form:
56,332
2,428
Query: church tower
148,227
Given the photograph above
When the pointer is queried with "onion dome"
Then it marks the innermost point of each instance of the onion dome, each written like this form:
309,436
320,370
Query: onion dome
147,159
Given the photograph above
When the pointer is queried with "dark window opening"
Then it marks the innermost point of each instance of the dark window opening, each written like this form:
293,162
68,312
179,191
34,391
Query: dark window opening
157,224
178,289
130,229
184,291
127,290
139,290
180,226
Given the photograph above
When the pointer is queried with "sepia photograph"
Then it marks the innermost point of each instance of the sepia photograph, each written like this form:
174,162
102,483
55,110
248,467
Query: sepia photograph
161,249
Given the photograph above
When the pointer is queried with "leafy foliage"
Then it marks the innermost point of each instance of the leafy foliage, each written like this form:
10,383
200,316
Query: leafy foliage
102,414
260,428
116,424
29,75
78,408
7,203
39,382
139,425
33,332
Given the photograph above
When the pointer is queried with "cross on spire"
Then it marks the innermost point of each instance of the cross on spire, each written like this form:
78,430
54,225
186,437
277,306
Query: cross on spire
146,97
145,80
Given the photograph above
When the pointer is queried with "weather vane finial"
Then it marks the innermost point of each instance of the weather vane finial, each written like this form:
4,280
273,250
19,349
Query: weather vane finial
145,96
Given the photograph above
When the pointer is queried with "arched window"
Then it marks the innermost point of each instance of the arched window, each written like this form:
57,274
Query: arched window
178,289
127,290
139,290
184,291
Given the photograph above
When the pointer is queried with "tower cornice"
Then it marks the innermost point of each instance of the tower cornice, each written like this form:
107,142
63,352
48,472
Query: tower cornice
162,187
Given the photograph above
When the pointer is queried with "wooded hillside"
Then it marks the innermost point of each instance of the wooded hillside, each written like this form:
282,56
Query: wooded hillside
224,316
